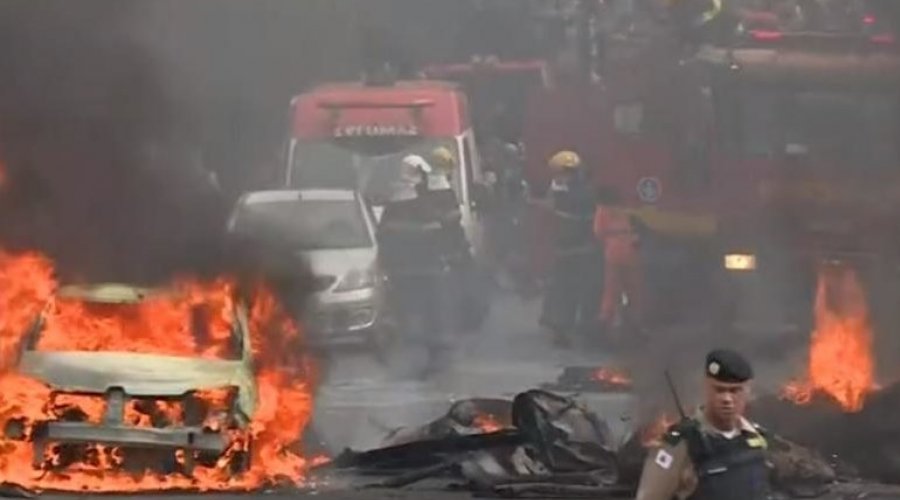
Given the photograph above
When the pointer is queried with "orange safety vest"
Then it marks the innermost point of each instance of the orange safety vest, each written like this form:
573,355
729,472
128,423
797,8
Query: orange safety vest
614,229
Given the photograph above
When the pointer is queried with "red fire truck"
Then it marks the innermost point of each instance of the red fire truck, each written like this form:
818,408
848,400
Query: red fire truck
751,163
356,134
804,161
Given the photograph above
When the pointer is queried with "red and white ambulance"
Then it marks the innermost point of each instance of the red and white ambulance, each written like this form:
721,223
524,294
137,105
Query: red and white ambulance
355,135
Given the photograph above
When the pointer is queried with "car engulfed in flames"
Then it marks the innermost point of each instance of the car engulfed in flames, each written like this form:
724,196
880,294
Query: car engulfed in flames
176,409
199,385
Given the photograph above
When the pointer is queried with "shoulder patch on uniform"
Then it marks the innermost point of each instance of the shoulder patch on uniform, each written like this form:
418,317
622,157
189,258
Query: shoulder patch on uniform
664,459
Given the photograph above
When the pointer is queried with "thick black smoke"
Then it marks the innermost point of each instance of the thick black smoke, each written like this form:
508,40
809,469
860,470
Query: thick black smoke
118,116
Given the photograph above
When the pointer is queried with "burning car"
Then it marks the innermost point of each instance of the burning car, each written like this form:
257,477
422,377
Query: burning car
138,408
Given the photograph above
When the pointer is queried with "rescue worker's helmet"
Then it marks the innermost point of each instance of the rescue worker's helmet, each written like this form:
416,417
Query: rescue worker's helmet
443,159
565,160
415,168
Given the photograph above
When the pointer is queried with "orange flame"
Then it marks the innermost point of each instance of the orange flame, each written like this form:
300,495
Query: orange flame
652,434
487,423
611,376
840,354
160,325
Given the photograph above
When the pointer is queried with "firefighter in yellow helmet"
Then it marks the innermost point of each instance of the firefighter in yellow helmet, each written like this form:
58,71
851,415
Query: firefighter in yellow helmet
463,296
443,159
565,160
571,299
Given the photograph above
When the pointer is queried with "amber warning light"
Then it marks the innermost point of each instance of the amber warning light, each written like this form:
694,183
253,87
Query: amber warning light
740,262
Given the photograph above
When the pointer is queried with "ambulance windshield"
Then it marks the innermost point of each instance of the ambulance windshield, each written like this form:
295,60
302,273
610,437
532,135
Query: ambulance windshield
370,165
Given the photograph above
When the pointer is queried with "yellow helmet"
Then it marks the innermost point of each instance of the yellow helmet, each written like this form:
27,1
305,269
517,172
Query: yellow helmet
443,159
565,160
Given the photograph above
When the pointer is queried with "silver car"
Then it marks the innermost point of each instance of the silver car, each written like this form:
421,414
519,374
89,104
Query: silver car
334,231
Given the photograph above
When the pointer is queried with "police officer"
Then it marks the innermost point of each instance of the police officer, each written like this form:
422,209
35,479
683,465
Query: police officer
572,295
717,454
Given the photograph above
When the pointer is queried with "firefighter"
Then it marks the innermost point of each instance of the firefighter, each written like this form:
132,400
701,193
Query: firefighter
570,302
464,297
617,231
717,453
411,251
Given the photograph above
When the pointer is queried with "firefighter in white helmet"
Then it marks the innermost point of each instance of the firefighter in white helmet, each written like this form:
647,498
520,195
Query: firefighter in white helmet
410,250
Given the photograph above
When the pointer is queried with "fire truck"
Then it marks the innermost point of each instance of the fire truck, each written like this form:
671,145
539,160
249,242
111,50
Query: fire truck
801,161
355,135
751,162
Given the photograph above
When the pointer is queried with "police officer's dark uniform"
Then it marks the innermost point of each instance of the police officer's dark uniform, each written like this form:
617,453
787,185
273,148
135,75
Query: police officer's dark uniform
698,462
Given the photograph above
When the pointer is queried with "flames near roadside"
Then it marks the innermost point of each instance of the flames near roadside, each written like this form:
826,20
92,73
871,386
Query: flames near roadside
157,325
841,364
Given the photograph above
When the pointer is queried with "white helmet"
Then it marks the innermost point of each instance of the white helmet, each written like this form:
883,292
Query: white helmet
415,168
417,162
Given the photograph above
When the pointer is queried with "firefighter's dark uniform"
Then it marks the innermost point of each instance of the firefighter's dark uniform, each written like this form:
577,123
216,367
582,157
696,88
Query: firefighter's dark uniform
410,239
457,292
572,295
698,462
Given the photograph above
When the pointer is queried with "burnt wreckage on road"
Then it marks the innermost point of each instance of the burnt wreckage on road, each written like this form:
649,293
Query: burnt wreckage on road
549,445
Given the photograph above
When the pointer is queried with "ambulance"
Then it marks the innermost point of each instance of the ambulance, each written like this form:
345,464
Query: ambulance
355,135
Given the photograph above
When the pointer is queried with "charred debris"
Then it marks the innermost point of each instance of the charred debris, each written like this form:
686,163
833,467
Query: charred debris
544,444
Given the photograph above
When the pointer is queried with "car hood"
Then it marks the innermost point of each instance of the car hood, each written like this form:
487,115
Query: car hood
339,262
137,374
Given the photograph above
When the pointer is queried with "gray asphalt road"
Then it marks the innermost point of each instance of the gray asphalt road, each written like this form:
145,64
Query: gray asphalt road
360,398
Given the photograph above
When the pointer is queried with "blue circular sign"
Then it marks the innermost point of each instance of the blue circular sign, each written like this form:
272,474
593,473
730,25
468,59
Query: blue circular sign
649,189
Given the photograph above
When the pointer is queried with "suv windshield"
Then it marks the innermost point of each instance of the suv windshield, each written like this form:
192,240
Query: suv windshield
370,165
844,130
306,224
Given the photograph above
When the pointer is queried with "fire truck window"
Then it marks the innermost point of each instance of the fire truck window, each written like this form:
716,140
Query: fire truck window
843,128
833,128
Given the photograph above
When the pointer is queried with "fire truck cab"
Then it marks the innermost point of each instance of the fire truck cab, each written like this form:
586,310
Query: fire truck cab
356,135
